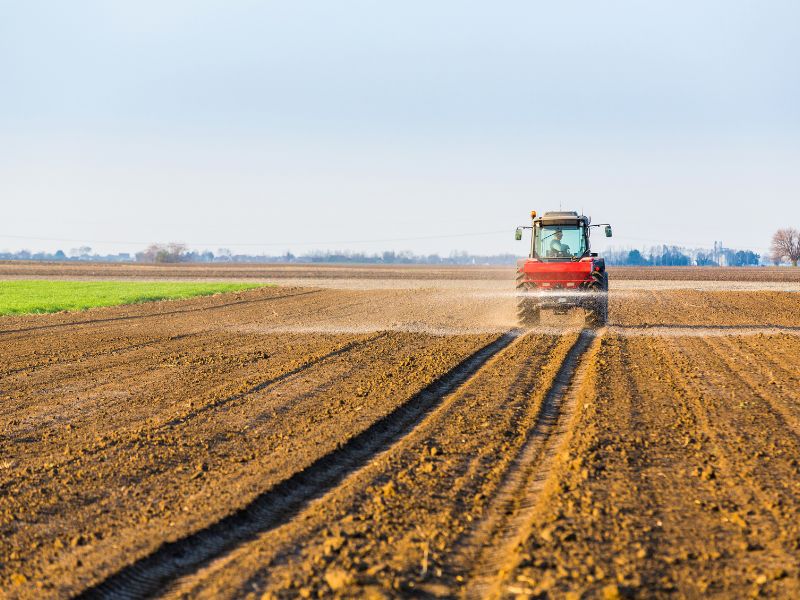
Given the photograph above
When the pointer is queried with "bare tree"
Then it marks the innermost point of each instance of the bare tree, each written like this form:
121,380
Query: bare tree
786,245
170,253
175,252
82,252
148,255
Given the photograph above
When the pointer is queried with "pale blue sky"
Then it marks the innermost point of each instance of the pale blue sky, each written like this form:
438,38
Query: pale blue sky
295,125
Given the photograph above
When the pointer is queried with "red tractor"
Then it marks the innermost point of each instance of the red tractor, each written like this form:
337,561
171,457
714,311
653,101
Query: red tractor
561,272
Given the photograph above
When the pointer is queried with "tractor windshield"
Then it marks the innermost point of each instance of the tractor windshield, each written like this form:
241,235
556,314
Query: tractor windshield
559,241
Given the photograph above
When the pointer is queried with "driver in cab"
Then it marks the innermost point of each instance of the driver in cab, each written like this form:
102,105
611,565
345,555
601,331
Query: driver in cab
557,247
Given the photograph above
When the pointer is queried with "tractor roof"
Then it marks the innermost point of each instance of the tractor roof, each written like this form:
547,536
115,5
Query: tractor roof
562,218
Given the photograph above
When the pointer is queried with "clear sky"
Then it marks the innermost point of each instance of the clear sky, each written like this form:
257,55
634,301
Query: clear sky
428,126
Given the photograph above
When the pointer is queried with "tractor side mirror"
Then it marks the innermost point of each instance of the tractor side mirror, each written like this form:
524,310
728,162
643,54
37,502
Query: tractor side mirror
608,230
518,234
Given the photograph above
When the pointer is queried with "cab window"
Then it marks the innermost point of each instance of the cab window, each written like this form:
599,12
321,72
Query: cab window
560,241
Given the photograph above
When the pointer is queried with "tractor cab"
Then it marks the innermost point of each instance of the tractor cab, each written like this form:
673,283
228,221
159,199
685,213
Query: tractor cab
560,236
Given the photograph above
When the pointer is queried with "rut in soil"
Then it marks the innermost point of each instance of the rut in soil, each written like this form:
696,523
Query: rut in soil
487,552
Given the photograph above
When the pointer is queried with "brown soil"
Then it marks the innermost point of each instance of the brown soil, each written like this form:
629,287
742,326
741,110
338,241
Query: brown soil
723,309
706,273
681,477
136,426
319,442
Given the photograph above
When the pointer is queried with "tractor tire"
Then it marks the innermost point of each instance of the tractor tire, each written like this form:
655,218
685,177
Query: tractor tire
528,312
597,314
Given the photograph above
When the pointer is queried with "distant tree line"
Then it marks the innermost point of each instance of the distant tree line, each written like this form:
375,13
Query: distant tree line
179,253
785,246
408,258
174,253
675,256
83,253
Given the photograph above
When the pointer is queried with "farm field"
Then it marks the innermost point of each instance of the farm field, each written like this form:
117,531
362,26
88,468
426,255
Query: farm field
382,432
342,273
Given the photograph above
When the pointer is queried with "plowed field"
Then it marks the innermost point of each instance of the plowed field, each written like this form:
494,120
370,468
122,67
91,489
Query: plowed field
403,440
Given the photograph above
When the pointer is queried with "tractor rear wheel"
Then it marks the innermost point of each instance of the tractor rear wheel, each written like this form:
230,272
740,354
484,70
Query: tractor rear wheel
529,313
597,315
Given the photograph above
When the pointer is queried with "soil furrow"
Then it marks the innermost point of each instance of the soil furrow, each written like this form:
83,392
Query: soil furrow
194,367
61,361
283,501
485,553
671,308
747,442
50,349
741,418
734,498
154,353
776,372
108,372
744,366
156,423
264,385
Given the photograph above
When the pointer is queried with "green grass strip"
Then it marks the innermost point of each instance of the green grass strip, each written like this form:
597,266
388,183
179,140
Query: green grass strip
27,296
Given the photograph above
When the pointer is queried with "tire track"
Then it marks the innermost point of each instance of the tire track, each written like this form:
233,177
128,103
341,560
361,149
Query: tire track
279,547
487,551
282,502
